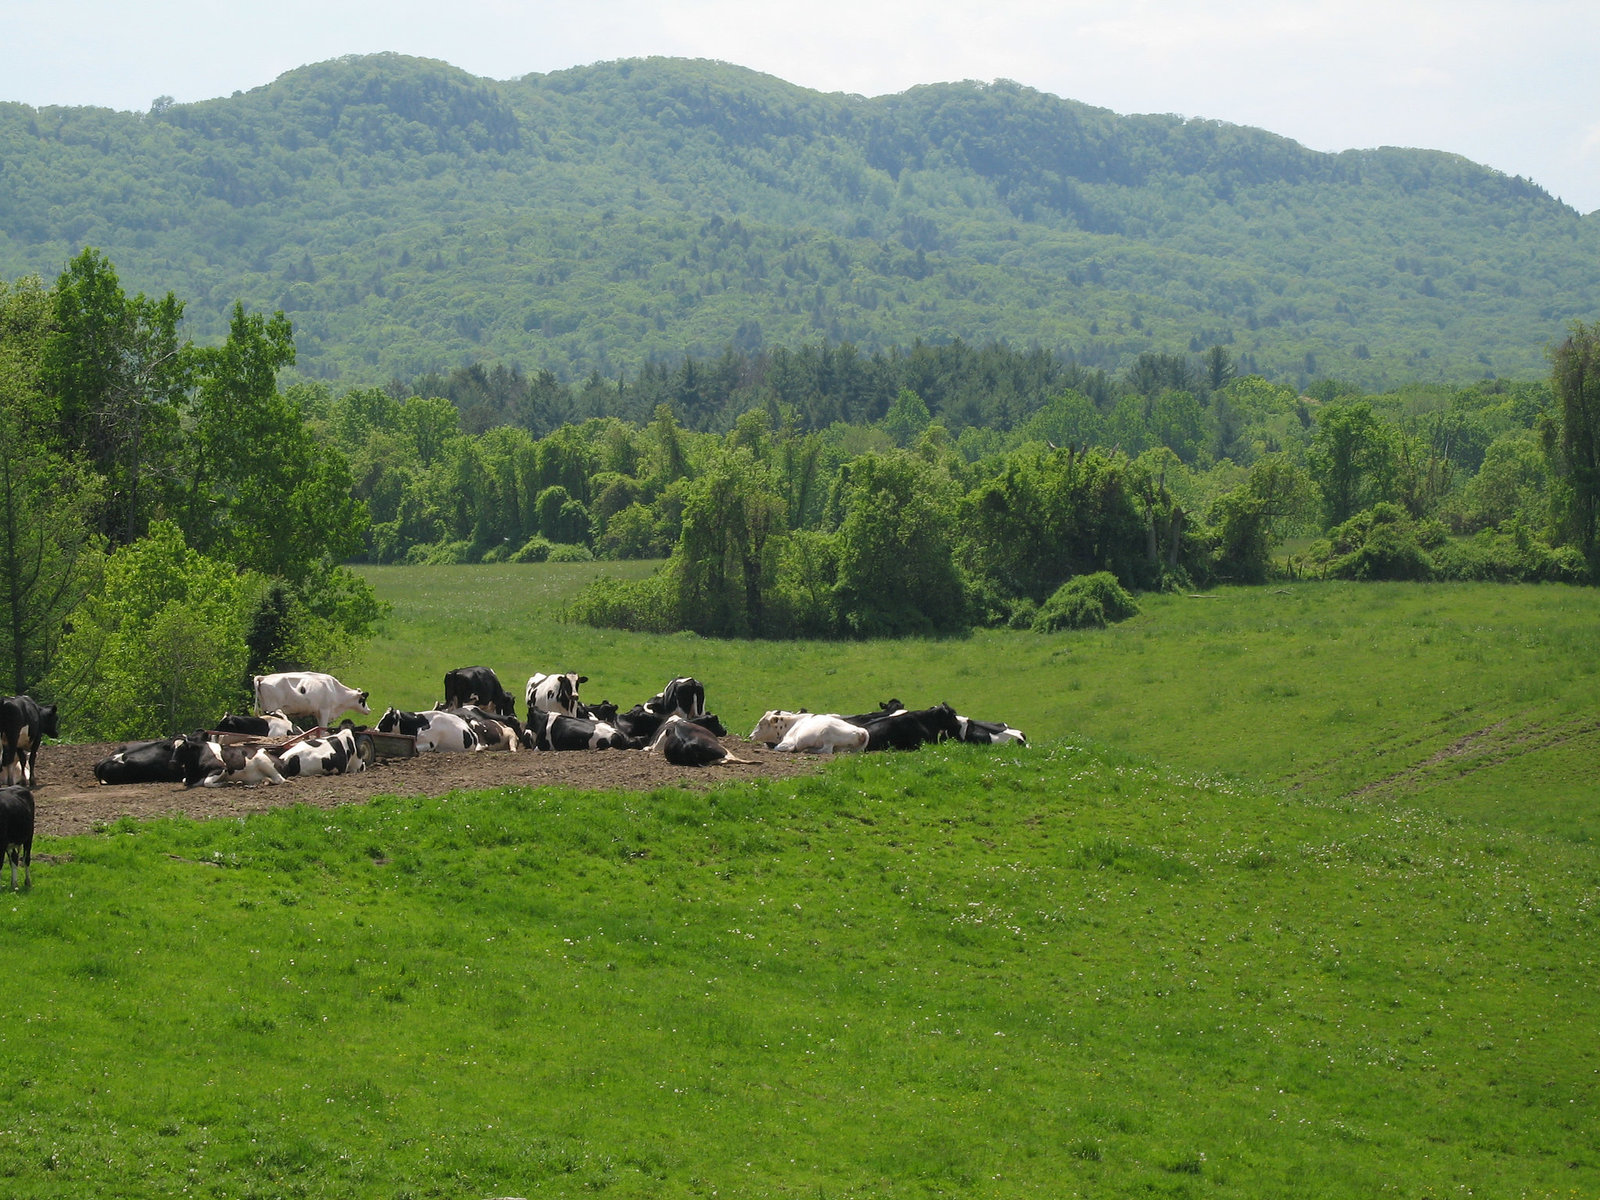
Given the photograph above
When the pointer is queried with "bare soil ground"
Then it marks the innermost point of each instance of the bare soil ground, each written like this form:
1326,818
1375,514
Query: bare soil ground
71,801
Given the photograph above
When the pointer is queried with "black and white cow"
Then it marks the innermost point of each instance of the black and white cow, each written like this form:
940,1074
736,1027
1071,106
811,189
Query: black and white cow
311,694
685,696
908,729
211,764
441,731
480,686
332,755
685,744
494,731
554,693
556,731
16,832
23,723
271,725
141,762
990,732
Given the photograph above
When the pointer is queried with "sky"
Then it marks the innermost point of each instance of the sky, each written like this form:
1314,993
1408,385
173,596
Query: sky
1511,84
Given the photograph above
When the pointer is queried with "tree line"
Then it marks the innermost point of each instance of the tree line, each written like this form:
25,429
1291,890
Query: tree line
172,521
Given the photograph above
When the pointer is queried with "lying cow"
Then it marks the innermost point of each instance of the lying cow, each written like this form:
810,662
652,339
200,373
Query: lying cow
775,723
822,733
23,724
269,725
685,744
211,764
333,755
493,731
990,732
554,731
554,693
685,696
640,722
308,693
141,762
908,729
480,686
436,730
16,832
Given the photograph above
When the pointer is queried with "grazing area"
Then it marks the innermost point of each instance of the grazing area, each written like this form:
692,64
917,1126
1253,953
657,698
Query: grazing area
1292,892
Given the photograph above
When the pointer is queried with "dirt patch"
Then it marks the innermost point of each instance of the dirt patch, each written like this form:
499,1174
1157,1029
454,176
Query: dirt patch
71,801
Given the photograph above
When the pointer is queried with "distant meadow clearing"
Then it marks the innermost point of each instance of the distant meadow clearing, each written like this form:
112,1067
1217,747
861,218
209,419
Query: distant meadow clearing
1294,893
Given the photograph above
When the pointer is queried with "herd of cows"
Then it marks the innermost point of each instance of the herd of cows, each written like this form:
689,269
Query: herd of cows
476,714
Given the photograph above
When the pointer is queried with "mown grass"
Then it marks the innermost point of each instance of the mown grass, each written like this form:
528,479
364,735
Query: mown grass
1481,700
1049,971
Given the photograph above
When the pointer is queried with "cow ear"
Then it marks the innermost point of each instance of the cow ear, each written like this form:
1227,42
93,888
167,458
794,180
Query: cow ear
583,679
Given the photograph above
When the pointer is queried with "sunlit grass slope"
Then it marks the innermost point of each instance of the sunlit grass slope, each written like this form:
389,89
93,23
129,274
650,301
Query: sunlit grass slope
1477,699
961,972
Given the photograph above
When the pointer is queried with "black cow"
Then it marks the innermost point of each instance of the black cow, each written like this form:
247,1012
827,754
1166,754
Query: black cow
23,722
909,728
272,724
557,731
685,744
16,832
141,762
989,732
685,696
640,722
477,685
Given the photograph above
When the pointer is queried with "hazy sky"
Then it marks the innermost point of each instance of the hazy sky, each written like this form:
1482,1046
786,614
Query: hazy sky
1513,84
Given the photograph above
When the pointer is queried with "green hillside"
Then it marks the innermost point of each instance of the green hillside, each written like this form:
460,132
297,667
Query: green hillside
410,217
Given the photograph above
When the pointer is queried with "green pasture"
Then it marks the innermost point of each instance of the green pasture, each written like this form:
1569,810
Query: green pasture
1293,895
1482,700
961,972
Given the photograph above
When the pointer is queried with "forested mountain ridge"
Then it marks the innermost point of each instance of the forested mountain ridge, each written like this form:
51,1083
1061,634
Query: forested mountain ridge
408,216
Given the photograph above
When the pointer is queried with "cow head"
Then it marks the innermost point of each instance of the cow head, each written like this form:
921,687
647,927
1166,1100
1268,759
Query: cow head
49,720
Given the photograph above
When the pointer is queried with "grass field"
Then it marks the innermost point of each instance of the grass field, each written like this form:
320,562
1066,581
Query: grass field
1060,970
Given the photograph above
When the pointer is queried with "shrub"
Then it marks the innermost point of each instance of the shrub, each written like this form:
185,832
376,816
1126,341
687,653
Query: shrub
567,552
1085,602
535,550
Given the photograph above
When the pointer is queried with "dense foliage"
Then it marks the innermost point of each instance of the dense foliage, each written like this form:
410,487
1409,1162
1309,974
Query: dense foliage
409,217
168,523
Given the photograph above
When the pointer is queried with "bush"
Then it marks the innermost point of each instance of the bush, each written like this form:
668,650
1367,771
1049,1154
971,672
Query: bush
640,606
1085,602
535,550
566,552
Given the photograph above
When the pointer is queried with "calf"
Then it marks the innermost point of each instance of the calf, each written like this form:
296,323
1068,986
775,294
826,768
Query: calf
332,755
822,733
211,764
480,686
991,732
309,694
270,725
685,696
435,730
23,723
16,832
554,731
554,693
685,744
141,762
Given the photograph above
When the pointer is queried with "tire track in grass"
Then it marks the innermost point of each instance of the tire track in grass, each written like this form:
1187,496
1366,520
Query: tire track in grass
1492,746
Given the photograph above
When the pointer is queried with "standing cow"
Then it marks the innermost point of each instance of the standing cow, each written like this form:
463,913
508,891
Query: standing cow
480,686
309,694
16,832
23,722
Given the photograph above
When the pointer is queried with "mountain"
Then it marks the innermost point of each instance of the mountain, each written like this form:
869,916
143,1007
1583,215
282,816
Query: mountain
409,216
